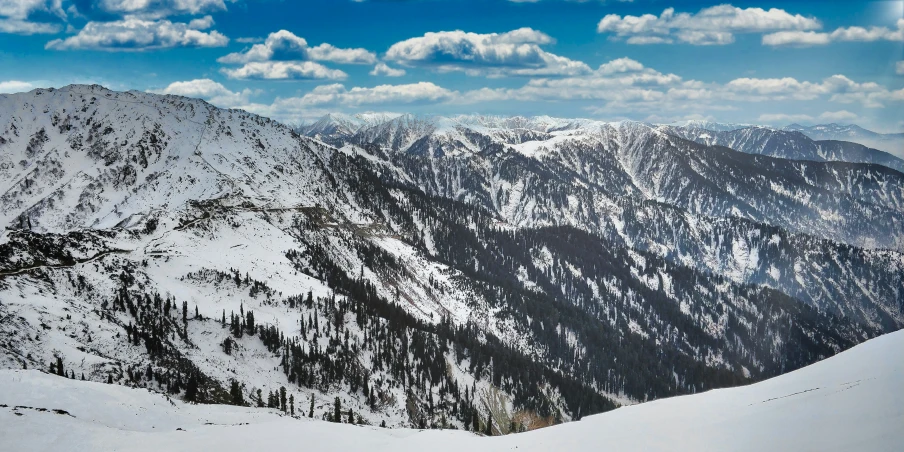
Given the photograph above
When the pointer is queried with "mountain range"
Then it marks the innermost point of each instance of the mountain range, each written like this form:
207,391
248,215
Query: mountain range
485,273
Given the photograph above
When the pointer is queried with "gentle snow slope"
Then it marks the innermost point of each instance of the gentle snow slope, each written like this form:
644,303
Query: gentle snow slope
853,401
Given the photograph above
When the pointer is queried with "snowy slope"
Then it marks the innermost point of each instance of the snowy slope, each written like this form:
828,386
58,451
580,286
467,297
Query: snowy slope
438,258
853,401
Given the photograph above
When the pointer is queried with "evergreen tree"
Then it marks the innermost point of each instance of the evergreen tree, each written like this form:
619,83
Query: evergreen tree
191,389
292,405
236,393
489,430
311,411
337,410
59,367
282,398
249,322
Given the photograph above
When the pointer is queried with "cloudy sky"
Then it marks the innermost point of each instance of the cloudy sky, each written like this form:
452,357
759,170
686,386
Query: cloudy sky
651,60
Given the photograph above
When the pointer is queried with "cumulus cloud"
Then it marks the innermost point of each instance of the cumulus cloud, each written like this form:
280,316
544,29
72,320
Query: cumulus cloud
285,56
326,98
15,86
210,91
284,70
337,94
384,70
146,9
841,115
843,34
284,45
516,53
715,25
626,86
838,87
620,80
14,16
784,118
134,34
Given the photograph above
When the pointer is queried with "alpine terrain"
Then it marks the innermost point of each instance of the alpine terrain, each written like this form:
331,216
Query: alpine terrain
481,273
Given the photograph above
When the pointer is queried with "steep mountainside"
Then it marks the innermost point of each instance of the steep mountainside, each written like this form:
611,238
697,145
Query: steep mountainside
427,271
658,193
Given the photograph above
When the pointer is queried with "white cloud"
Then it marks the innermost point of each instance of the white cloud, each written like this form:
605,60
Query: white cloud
783,118
326,98
715,25
620,80
149,9
843,34
284,70
284,45
14,16
133,34
384,70
899,68
210,91
517,52
625,86
841,115
337,94
328,52
24,27
838,87
802,38
15,86
202,23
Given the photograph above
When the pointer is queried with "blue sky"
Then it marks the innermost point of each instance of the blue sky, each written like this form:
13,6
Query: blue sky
659,61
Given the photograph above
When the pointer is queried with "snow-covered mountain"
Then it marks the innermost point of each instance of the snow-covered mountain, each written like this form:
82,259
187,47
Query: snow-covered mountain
426,272
788,144
889,142
852,401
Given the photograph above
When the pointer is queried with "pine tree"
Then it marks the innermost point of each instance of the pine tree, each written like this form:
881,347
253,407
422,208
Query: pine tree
59,367
260,398
311,411
236,393
249,322
282,398
292,405
489,430
337,410
191,389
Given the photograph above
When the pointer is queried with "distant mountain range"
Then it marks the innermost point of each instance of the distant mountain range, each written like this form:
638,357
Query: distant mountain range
892,143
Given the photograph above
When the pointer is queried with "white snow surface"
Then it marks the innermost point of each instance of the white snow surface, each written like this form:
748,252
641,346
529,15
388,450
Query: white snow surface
853,401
